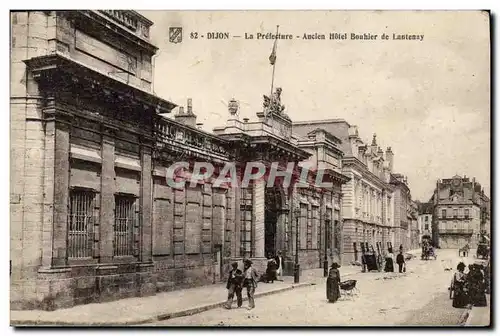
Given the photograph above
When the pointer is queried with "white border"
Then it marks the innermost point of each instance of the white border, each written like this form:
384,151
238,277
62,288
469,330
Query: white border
188,4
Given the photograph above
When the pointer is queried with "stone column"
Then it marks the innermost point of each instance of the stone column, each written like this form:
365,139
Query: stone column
258,215
146,204
107,197
61,194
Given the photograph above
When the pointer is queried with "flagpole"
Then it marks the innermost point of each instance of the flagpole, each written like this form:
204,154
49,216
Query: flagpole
274,68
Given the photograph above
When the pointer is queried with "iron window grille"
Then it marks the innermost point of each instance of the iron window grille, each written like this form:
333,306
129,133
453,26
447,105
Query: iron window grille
81,224
125,222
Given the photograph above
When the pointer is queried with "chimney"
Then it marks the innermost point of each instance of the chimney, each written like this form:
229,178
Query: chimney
374,144
188,118
199,126
389,157
380,152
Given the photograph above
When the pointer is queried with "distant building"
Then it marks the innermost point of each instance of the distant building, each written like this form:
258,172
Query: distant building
425,211
402,211
415,229
461,212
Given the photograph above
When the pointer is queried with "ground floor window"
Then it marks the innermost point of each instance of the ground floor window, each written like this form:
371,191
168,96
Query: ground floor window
81,224
125,220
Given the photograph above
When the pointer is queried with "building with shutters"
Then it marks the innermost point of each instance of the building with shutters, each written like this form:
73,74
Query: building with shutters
461,212
93,218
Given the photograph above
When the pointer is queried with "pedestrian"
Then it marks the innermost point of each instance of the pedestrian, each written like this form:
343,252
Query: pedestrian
234,286
400,260
459,287
271,269
250,282
280,263
476,286
333,283
487,275
389,261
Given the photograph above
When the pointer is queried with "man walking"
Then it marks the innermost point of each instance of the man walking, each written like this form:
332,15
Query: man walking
250,282
234,286
400,260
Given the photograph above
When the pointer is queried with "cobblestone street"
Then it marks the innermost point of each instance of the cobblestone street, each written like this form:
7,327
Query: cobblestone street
418,297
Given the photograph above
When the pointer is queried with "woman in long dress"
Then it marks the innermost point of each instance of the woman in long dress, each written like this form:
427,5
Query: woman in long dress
271,269
333,283
459,290
476,286
389,261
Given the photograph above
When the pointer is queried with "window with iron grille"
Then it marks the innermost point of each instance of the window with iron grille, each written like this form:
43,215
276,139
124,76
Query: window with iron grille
246,223
81,224
125,220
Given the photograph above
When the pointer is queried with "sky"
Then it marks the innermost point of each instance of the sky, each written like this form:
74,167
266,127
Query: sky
429,100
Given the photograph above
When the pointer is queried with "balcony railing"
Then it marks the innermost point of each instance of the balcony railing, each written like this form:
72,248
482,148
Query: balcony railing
456,231
170,133
122,17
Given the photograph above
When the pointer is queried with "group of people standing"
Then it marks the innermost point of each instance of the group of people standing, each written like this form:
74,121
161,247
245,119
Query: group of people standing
400,260
470,287
248,278
274,269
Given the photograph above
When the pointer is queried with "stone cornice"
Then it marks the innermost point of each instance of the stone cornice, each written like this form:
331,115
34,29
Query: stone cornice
368,175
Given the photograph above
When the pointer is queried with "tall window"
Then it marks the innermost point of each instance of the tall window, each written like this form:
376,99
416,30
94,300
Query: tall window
426,218
81,224
125,219
443,213
455,213
466,213
246,222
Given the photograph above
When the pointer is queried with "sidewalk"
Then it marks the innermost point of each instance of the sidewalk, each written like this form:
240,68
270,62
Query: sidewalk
479,316
162,306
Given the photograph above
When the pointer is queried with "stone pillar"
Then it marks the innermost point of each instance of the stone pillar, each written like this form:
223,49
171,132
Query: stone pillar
61,194
107,197
258,215
146,205
48,215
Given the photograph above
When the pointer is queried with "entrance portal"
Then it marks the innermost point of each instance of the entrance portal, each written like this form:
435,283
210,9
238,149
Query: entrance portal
273,205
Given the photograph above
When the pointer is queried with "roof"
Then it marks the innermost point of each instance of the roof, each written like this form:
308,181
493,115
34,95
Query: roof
425,208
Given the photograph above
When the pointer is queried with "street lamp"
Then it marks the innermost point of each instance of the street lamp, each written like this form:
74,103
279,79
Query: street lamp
296,267
325,261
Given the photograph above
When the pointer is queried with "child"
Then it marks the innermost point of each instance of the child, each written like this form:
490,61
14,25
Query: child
234,286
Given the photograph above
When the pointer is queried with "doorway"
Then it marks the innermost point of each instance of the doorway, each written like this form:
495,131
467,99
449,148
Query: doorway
272,208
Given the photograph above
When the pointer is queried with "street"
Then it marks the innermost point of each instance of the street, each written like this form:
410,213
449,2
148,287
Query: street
418,297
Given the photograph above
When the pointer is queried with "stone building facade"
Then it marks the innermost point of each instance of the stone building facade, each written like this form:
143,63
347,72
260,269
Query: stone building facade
425,211
368,203
404,216
461,212
93,218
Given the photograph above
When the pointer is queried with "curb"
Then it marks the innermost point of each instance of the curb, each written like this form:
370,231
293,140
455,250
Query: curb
464,318
156,318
